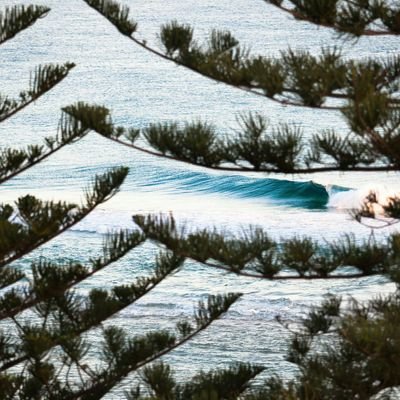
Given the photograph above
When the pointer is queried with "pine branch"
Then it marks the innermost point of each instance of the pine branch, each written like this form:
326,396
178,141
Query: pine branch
10,384
117,15
257,147
298,79
353,18
43,78
51,280
228,383
342,164
256,255
42,221
359,362
75,318
17,18
15,161
138,353
9,276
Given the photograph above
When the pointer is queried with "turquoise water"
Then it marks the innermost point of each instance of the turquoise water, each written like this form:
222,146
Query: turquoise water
290,193
140,89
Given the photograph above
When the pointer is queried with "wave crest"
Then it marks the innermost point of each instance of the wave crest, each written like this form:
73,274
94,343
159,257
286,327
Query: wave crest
306,194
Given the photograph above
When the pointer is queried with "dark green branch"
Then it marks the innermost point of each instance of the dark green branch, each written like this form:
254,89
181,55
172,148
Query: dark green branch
256,255
346,17
298,79
76,318
271,170
42,221
17,18
228,383
43,78
257,147
133,357
51,280
15,161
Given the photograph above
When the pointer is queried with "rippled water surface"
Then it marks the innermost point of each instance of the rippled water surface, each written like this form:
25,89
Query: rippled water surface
140,88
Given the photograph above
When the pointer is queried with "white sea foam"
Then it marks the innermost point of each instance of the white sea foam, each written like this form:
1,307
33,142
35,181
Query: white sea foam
352,199
141,89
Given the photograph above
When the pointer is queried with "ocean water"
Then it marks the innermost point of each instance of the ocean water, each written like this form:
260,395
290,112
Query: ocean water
140,89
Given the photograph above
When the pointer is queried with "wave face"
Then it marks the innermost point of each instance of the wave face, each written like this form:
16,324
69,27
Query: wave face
306,194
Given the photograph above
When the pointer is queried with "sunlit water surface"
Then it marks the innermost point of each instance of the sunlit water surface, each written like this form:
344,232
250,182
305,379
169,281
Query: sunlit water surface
140,89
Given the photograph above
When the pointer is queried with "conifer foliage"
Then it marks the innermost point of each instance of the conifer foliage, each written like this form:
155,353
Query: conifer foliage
342,352
37,359
367,92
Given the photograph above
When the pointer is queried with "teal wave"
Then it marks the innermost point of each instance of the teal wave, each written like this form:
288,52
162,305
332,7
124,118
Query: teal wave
303,194
306,194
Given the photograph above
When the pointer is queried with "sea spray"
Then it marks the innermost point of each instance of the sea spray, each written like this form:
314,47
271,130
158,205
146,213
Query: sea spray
354,198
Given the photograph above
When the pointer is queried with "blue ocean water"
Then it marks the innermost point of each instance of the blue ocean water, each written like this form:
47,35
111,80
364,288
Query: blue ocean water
140,88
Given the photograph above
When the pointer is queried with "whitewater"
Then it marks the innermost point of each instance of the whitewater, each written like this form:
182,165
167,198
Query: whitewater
140,89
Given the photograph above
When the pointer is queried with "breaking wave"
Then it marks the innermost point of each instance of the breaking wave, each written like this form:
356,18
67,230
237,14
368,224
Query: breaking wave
306,194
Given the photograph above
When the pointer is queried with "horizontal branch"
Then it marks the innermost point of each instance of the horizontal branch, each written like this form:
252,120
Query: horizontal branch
256,255
279,277
256,147
312,170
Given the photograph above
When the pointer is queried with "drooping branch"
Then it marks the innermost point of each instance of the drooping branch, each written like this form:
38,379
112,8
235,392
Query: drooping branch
74,317
17,18
39,221
15,161
43,78
129,356
349,17
257,146
229,383
51,280
298,78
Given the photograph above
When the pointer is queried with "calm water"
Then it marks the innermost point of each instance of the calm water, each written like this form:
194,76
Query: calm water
140,89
